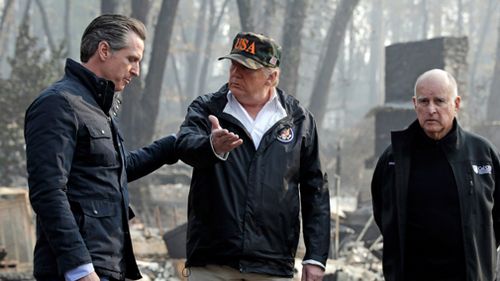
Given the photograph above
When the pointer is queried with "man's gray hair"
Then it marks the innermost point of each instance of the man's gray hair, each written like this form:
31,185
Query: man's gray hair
113,29
269,70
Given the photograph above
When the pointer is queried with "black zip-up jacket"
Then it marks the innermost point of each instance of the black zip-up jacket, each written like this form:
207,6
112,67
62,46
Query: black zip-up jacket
476,169
244,212
77,173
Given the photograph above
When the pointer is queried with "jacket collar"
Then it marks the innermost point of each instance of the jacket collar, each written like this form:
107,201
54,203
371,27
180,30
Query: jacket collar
289,103
449,140
102,90
414,132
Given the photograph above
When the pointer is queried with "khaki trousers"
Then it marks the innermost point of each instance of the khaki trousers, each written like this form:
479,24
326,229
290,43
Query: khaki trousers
226,273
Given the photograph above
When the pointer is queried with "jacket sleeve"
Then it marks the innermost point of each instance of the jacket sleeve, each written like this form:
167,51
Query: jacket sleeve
315,198
50,135
193,139
143,161
376,192
496,197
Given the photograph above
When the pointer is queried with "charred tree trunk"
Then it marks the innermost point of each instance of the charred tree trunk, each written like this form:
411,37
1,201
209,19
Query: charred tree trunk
141,107
493,114
150,99
246,15
336,32
134,91
292,31
265,23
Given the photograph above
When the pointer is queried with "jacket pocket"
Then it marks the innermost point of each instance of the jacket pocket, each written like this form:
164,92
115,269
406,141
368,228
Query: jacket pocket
98,208
103,229
102,149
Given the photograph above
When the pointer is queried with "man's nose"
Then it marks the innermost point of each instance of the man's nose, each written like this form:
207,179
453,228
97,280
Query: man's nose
136,69
432,108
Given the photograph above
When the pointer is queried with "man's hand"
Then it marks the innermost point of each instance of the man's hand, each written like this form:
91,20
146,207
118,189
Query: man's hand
311,272
223,141
91,277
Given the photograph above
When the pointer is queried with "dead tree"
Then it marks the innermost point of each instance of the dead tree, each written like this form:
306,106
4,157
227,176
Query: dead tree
246,15
140,118
213,26
335,38
133,92
292,30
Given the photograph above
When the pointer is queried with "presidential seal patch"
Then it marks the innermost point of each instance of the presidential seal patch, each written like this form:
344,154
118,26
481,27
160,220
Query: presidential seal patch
285,135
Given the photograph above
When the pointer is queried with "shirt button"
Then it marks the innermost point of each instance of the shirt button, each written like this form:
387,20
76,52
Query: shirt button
114,114
103,132
96,212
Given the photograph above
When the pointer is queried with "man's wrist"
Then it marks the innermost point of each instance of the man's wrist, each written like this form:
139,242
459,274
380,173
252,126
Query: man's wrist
79,272
222,156
314,262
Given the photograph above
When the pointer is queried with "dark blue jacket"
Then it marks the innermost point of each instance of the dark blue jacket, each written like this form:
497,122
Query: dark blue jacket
244,212
78,171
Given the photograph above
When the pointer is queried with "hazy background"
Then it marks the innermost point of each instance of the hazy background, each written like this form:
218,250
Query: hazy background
333,61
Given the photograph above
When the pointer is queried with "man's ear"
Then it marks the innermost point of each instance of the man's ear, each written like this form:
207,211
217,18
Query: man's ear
272,77
458,99
103,50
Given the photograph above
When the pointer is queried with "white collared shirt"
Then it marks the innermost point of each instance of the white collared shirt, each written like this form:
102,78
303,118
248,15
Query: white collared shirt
269,115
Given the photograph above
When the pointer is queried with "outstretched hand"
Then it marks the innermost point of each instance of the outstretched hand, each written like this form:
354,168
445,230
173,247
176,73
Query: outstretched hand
223,141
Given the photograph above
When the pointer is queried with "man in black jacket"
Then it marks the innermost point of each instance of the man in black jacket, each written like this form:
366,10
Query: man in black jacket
77,166
436,193
253,173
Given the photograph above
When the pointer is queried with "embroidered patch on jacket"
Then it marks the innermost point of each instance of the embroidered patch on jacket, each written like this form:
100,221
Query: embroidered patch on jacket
481,169
285,135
